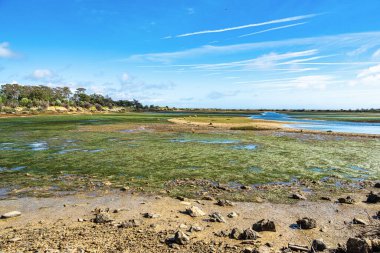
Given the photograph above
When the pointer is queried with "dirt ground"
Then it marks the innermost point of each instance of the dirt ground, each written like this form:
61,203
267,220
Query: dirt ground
64,224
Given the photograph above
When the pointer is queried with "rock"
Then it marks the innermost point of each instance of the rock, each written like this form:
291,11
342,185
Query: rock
258,200
378,214
307,223
269,244
195,228
248,250
180,198
217,217
236,233
181,238
208,198
222,202
264,225
80,220
359,221
223,233
347,200
325,198
232,215
124,189
248,234
130,224
375,245
358,245
151,215
318,245
102,218
298,196
195,211
245,187
377,185
11,215
373,198
183,226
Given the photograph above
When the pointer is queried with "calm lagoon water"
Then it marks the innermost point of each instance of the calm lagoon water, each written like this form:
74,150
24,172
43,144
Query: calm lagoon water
322,125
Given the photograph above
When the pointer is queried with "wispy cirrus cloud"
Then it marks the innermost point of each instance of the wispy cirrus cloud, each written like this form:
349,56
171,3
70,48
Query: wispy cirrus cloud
348,41
270,22
272,29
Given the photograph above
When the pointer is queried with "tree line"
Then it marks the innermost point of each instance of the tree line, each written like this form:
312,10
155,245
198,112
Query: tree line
40,96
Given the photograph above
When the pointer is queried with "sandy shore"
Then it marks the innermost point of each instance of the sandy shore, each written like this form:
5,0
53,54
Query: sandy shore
63,224
266,125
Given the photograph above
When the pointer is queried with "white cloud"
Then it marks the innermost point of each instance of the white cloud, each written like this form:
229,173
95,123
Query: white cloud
276,21
312,82
369,76
42,74
5,51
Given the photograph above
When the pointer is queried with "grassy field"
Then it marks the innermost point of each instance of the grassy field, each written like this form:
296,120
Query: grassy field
78,152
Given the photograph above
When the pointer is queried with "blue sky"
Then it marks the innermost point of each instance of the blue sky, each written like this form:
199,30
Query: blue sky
223,54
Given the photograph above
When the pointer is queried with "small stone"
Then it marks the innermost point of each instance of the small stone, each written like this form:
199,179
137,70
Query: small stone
248,250
377,185
185,203
181,238
102,218
208,198
232,215
180,198
298,196
223,202
264,225
195,228
15,239
195,211
217,217
151,215
318,245
373,198
258,200
269,244
130,224
236,233
359,221
347,200
249,234
11,214
358,245
183,226
307,223
326,198
375,245
124,189
80,220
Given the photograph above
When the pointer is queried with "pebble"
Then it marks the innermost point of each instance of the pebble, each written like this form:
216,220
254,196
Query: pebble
11,214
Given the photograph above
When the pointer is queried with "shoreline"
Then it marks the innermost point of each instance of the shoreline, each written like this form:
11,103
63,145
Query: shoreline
70,215
268,125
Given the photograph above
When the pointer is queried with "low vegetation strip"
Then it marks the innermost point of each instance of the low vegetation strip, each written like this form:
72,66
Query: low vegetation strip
50,154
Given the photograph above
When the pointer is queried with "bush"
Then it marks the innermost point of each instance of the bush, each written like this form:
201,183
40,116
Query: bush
87,105
98,107
58,102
